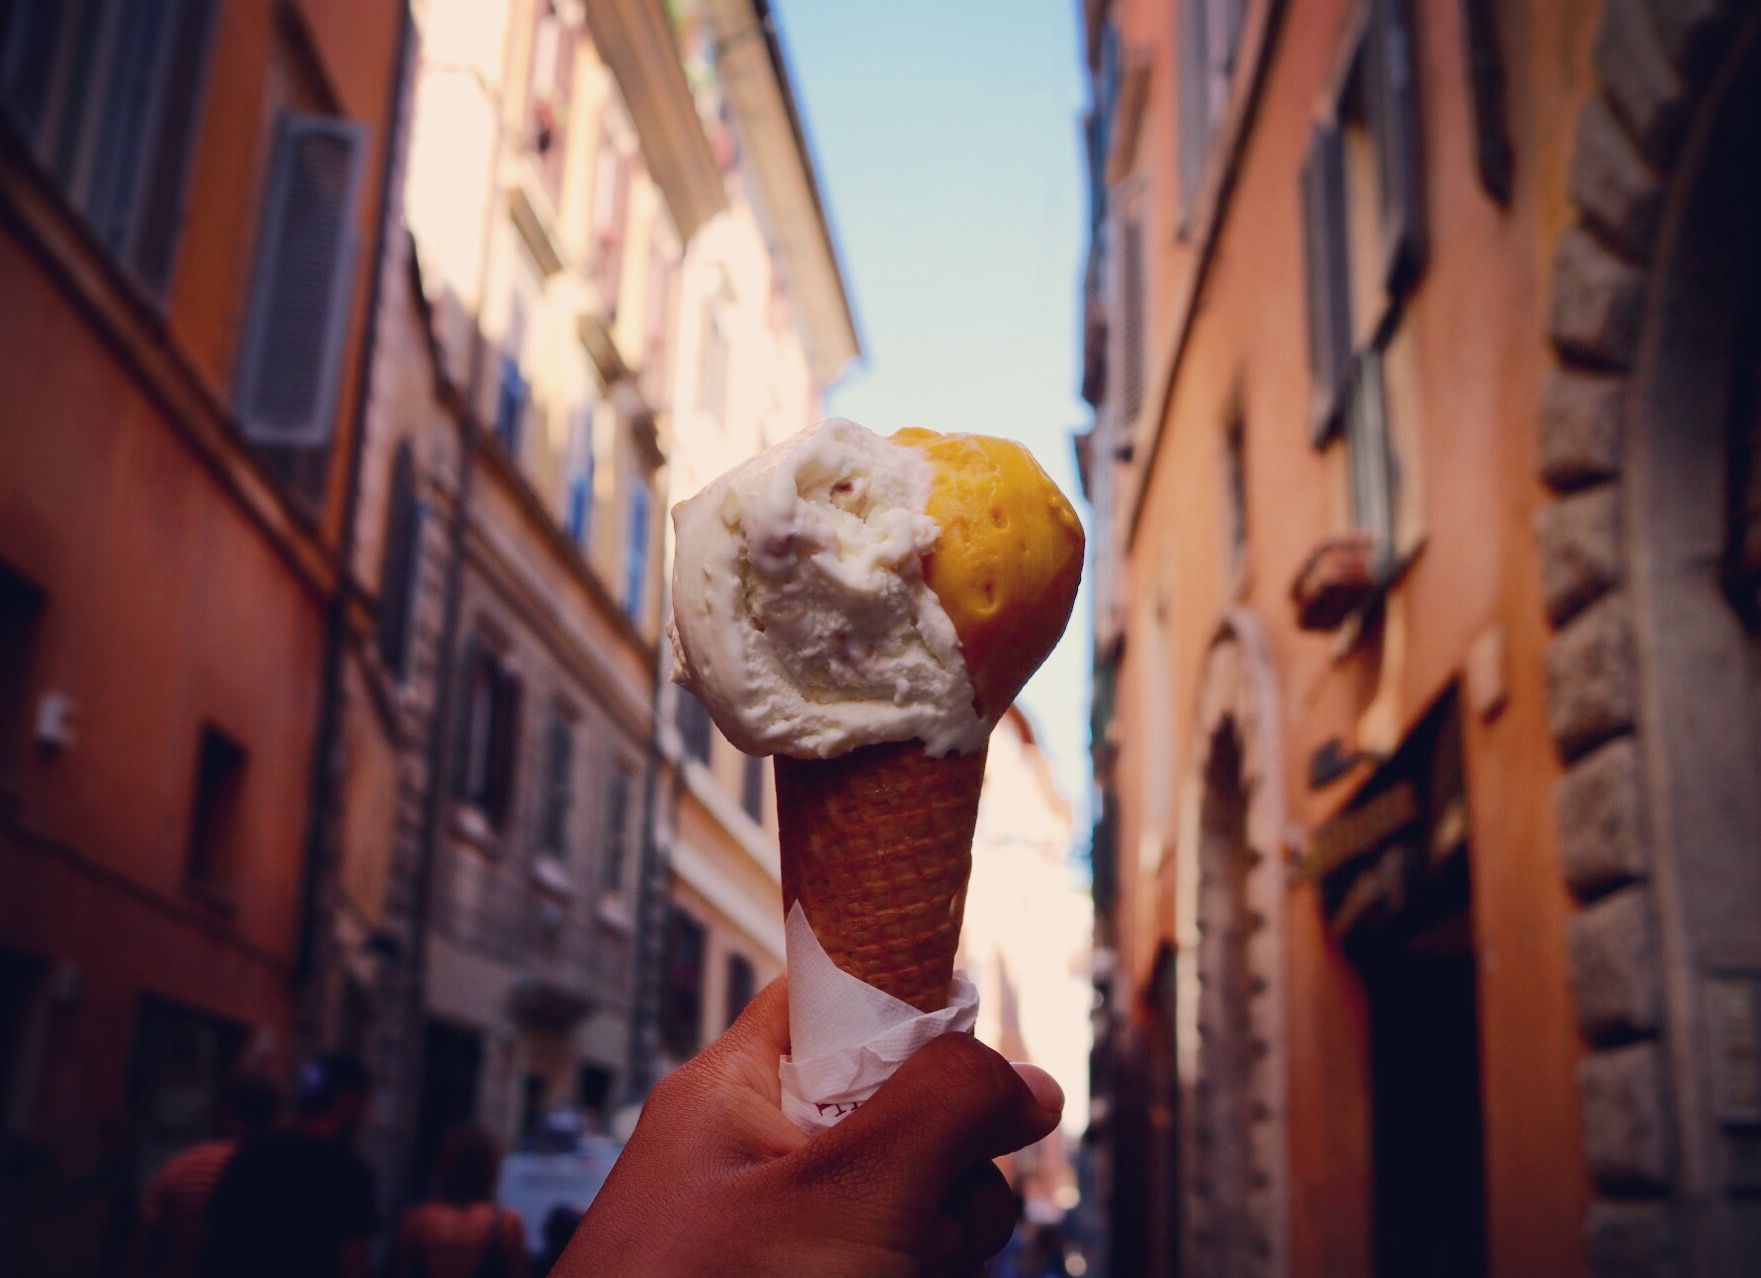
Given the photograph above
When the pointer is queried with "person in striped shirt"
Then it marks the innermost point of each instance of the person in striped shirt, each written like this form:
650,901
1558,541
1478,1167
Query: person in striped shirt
174,1210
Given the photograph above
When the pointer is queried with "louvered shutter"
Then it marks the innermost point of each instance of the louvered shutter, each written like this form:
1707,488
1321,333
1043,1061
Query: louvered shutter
291,356
1128,309
1192,47
1329,301
1392,93
113,168
1223,33
27,60
159,209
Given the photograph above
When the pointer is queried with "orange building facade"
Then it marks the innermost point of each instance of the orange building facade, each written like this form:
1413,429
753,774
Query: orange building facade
182,379
1422,347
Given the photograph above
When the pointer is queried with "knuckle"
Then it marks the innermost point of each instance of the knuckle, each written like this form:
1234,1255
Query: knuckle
972,1068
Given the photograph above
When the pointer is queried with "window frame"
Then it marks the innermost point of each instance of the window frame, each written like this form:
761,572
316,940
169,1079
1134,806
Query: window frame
1376,88
212,839
406,518
1208,39
638,532
615,860
579,499
752,788
486,771
68,130
558,785
739,985
682,1003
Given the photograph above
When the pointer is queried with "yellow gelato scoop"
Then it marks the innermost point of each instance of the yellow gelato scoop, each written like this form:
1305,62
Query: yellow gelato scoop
1007,563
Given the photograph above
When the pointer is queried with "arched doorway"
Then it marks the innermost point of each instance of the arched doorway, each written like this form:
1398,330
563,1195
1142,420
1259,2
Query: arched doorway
1651,437
1227,1231
1230,883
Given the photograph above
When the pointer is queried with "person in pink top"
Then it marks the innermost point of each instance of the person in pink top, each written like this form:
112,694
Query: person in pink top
461,1232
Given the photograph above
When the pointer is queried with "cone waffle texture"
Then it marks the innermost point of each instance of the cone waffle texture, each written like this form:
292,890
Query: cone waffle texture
877,846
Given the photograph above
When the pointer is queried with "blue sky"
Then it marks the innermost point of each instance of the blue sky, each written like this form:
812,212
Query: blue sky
946,140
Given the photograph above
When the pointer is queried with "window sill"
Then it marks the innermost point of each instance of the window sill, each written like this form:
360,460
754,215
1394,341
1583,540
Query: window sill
1335,582
1365,619
552,877
471,824
613,914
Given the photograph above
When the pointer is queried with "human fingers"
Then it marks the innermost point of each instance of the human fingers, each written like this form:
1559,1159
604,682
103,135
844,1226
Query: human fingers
750,1048
977,1220
729,1095
951,1106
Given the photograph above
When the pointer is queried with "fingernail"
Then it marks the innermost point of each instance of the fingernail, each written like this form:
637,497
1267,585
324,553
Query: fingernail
1044,1087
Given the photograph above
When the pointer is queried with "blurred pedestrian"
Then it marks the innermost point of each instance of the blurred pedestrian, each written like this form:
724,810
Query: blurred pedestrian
560,1223
299,1203
461,1232
174,1209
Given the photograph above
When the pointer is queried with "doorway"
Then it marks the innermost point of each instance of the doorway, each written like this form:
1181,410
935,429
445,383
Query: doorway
1398,893
1224,1202
1426,1138
452,1062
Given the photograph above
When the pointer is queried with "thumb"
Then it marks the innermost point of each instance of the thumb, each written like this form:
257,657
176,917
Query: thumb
954,1104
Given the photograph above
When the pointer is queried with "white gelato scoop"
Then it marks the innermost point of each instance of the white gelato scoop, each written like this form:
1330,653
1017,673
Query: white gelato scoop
801,617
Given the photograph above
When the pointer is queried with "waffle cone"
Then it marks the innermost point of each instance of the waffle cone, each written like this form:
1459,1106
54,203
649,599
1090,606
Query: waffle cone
877,846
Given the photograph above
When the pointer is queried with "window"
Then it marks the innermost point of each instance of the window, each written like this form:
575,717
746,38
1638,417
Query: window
559,785
1235,480
712,367
1370,456
611,199
752,788
578,501
296,320
400,563
513,393
553,71
692,718
1328,282
636,551
21,623
593,1088
663,287
1126,331
742,983
119,133
1210,30
209,865
681,1019
615,864
1364,247
511,397
1391,89
488,733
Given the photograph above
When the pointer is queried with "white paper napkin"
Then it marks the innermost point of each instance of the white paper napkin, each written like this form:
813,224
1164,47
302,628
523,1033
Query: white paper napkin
847,1036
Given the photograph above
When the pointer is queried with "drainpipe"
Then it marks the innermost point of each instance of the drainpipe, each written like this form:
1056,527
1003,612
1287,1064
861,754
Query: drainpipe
651,896
318,877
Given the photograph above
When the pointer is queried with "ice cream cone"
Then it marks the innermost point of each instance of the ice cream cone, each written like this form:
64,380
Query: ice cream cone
877,846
